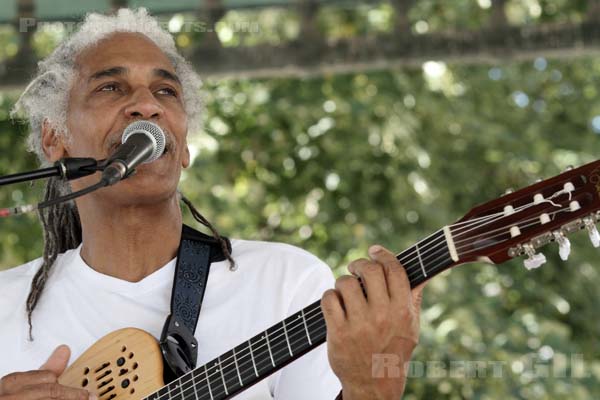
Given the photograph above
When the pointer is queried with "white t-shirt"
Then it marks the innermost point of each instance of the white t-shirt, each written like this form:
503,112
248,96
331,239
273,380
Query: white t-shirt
79,306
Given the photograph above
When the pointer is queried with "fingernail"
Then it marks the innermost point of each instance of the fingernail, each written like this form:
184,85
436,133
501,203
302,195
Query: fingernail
375,249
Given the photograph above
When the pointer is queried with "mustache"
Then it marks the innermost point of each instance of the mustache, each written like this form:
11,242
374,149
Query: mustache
115,139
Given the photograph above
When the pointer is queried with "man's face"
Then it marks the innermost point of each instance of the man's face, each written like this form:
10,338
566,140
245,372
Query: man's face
125,78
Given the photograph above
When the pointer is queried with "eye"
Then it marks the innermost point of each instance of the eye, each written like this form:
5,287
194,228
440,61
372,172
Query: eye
168,91
109,87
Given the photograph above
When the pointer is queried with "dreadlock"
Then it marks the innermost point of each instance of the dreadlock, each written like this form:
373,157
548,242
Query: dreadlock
62,232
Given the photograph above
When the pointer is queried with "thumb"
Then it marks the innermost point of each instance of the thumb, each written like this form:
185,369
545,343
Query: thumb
57,362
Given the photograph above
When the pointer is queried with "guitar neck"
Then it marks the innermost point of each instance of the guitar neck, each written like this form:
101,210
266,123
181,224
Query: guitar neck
286,341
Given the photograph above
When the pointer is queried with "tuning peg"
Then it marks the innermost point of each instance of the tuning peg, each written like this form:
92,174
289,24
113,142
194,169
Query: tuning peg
564,245
569,167
508,191
592,232
534,260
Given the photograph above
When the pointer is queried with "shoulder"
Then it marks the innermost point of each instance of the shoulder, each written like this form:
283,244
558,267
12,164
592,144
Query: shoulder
288,270
15,282
14,286
15,276
277,255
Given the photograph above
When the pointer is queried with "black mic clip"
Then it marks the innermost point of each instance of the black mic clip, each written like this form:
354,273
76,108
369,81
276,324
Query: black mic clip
77,167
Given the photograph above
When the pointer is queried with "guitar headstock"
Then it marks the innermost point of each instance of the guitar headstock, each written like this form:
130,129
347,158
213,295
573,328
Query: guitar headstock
520,222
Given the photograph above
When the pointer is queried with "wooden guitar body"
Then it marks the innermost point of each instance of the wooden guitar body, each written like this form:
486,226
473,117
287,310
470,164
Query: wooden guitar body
125,364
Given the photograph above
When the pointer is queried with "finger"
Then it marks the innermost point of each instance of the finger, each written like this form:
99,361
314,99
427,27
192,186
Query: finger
53,391
15,382
353,298
417,294
57,362
398,284
373,279
333,309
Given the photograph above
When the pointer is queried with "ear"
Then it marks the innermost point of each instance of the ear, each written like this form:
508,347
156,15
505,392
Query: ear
52,142
185,160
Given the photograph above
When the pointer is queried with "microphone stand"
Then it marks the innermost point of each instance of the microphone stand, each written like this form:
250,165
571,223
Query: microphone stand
66,168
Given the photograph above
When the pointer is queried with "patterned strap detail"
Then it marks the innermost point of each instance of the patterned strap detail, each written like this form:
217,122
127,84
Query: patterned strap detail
191,275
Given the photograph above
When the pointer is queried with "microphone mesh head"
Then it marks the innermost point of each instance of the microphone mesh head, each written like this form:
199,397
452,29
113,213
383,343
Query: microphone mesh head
151,130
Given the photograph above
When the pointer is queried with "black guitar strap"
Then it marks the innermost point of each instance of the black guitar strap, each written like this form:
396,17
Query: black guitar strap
179,347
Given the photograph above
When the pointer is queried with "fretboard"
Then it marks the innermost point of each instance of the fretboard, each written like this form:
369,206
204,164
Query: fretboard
284,342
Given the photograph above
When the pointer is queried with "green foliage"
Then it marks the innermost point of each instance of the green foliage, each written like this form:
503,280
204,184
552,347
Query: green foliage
335,163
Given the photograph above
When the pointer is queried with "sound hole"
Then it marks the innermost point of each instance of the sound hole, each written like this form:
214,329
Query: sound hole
107,390
106,373
84,383
121,361
130,355
135,378
124,349
106,382
135,365
100,368
132,391
86,371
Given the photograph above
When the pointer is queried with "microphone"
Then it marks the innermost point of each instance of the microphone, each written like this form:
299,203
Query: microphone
142,142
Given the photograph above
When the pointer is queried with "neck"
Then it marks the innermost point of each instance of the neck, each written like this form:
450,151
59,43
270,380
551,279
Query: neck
129,242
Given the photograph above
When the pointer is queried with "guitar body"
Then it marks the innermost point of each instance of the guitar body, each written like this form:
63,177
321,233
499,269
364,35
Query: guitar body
125,364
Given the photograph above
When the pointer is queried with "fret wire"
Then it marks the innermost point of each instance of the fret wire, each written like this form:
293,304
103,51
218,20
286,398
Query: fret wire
252,356
287,339
208,382
193,383
306,327
222,376
181,391
269,346
237,368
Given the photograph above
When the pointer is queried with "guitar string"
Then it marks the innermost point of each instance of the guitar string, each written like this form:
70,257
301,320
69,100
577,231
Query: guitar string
421,253
442,240
276,337
526,226
517,211
504,228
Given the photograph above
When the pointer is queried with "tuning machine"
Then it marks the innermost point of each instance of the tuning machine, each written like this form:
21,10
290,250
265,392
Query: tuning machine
534,260
564,245
590,226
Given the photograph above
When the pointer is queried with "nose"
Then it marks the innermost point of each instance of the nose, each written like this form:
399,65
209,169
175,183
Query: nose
143,105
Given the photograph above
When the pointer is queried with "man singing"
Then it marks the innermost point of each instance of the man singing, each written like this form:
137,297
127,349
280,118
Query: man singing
109,257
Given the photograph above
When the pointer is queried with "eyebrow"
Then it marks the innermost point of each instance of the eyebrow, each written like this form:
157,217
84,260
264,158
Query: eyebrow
113,71
118,71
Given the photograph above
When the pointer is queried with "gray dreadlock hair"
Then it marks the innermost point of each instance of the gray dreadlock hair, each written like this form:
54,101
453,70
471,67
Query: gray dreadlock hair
45,100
